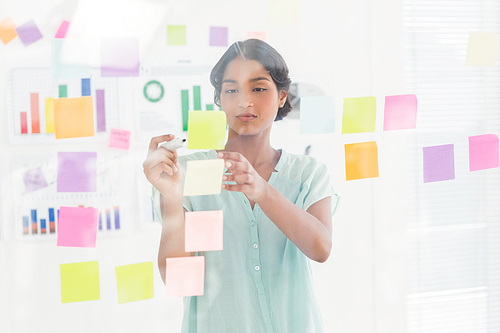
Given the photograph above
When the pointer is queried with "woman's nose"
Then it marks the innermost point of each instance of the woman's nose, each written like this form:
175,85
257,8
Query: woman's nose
245,101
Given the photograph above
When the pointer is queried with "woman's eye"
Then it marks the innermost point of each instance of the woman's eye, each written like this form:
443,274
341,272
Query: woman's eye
230,91
260,89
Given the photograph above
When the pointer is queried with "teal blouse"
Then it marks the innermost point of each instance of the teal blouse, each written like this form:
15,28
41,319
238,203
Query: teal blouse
260,281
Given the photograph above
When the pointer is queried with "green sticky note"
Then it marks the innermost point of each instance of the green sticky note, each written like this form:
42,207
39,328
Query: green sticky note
206,130
134,282
80,282
176,35
359,115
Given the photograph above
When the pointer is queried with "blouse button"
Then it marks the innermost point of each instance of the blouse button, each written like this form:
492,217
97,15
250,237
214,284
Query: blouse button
252,224
255,245
257,268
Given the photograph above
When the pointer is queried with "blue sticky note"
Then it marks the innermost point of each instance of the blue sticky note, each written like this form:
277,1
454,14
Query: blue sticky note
317,114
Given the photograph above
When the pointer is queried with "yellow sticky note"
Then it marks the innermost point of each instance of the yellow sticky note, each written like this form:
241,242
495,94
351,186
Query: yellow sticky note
49,115
185,276
359,115
176,35
134,282
361,160
7,30
203,177
80,282
284,12
482,49
73,117
206,130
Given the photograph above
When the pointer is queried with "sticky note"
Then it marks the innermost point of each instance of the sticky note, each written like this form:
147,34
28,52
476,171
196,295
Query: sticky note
120,57
119,138
400,112
73,117
34,179
483,152
317,114
257,35
176,35
361,160
439,163
185,276
134,282
203,177
359,115
206,130
482,49
80,282
204,231
7,30
29,33
77,226
63,70
284,12
218,36
77,172
63,28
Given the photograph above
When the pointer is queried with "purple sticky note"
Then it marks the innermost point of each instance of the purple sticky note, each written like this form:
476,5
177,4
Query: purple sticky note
400,112
218,36
34,180
483,152
77,172
77,226
63,28
120,57
28,32
119,138
439,163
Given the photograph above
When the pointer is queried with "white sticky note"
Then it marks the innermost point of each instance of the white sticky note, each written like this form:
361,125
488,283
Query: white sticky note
203,177
482,49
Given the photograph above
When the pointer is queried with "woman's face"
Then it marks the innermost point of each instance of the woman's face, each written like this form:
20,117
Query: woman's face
249,97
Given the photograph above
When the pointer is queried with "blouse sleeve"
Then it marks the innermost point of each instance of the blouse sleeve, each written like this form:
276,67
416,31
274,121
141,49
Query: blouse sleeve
316,186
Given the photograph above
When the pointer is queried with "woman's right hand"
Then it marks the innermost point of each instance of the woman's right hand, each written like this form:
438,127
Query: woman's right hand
162,168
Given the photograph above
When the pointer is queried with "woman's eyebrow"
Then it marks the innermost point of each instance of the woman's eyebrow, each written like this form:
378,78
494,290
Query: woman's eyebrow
229,81
259,79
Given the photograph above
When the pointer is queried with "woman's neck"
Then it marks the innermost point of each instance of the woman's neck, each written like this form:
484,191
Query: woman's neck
255,148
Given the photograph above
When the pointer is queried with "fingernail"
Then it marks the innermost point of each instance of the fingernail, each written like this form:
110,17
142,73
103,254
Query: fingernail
228,164
220,154
224,177
223,186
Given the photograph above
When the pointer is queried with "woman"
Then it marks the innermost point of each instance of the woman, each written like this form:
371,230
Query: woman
277,207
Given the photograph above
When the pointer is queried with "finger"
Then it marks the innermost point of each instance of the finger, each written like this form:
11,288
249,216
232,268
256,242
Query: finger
155,141
240,167
159,157
227,155
235,188
244,178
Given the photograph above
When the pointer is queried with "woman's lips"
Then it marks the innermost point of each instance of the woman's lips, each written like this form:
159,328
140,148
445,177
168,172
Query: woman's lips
246,116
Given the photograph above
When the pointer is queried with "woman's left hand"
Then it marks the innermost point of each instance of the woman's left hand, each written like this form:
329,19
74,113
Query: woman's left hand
242,172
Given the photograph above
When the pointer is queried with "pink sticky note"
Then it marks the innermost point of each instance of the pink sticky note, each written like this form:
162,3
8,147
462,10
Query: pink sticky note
439,163
203,231
257,35
483,152
77,226
400,112
63,28
119,138
185,276
120,57
28,32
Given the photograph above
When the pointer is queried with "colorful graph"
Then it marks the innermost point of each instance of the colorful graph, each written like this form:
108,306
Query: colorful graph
196,105
31,103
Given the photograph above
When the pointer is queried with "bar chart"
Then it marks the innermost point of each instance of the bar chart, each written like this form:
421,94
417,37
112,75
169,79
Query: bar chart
31,103
186,106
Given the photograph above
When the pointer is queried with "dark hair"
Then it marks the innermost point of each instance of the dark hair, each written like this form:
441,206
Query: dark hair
255,49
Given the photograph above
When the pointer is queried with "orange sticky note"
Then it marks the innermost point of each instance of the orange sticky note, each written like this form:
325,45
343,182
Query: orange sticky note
361,160
185,276
203,231
73,117
7,30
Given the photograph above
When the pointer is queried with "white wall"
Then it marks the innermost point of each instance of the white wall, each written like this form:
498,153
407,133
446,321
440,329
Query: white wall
349,49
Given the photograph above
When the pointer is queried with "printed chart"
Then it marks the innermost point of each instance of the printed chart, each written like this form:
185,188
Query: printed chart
37,184
165,98
31,96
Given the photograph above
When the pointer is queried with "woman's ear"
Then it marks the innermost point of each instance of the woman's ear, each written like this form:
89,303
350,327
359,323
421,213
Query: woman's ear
282,98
